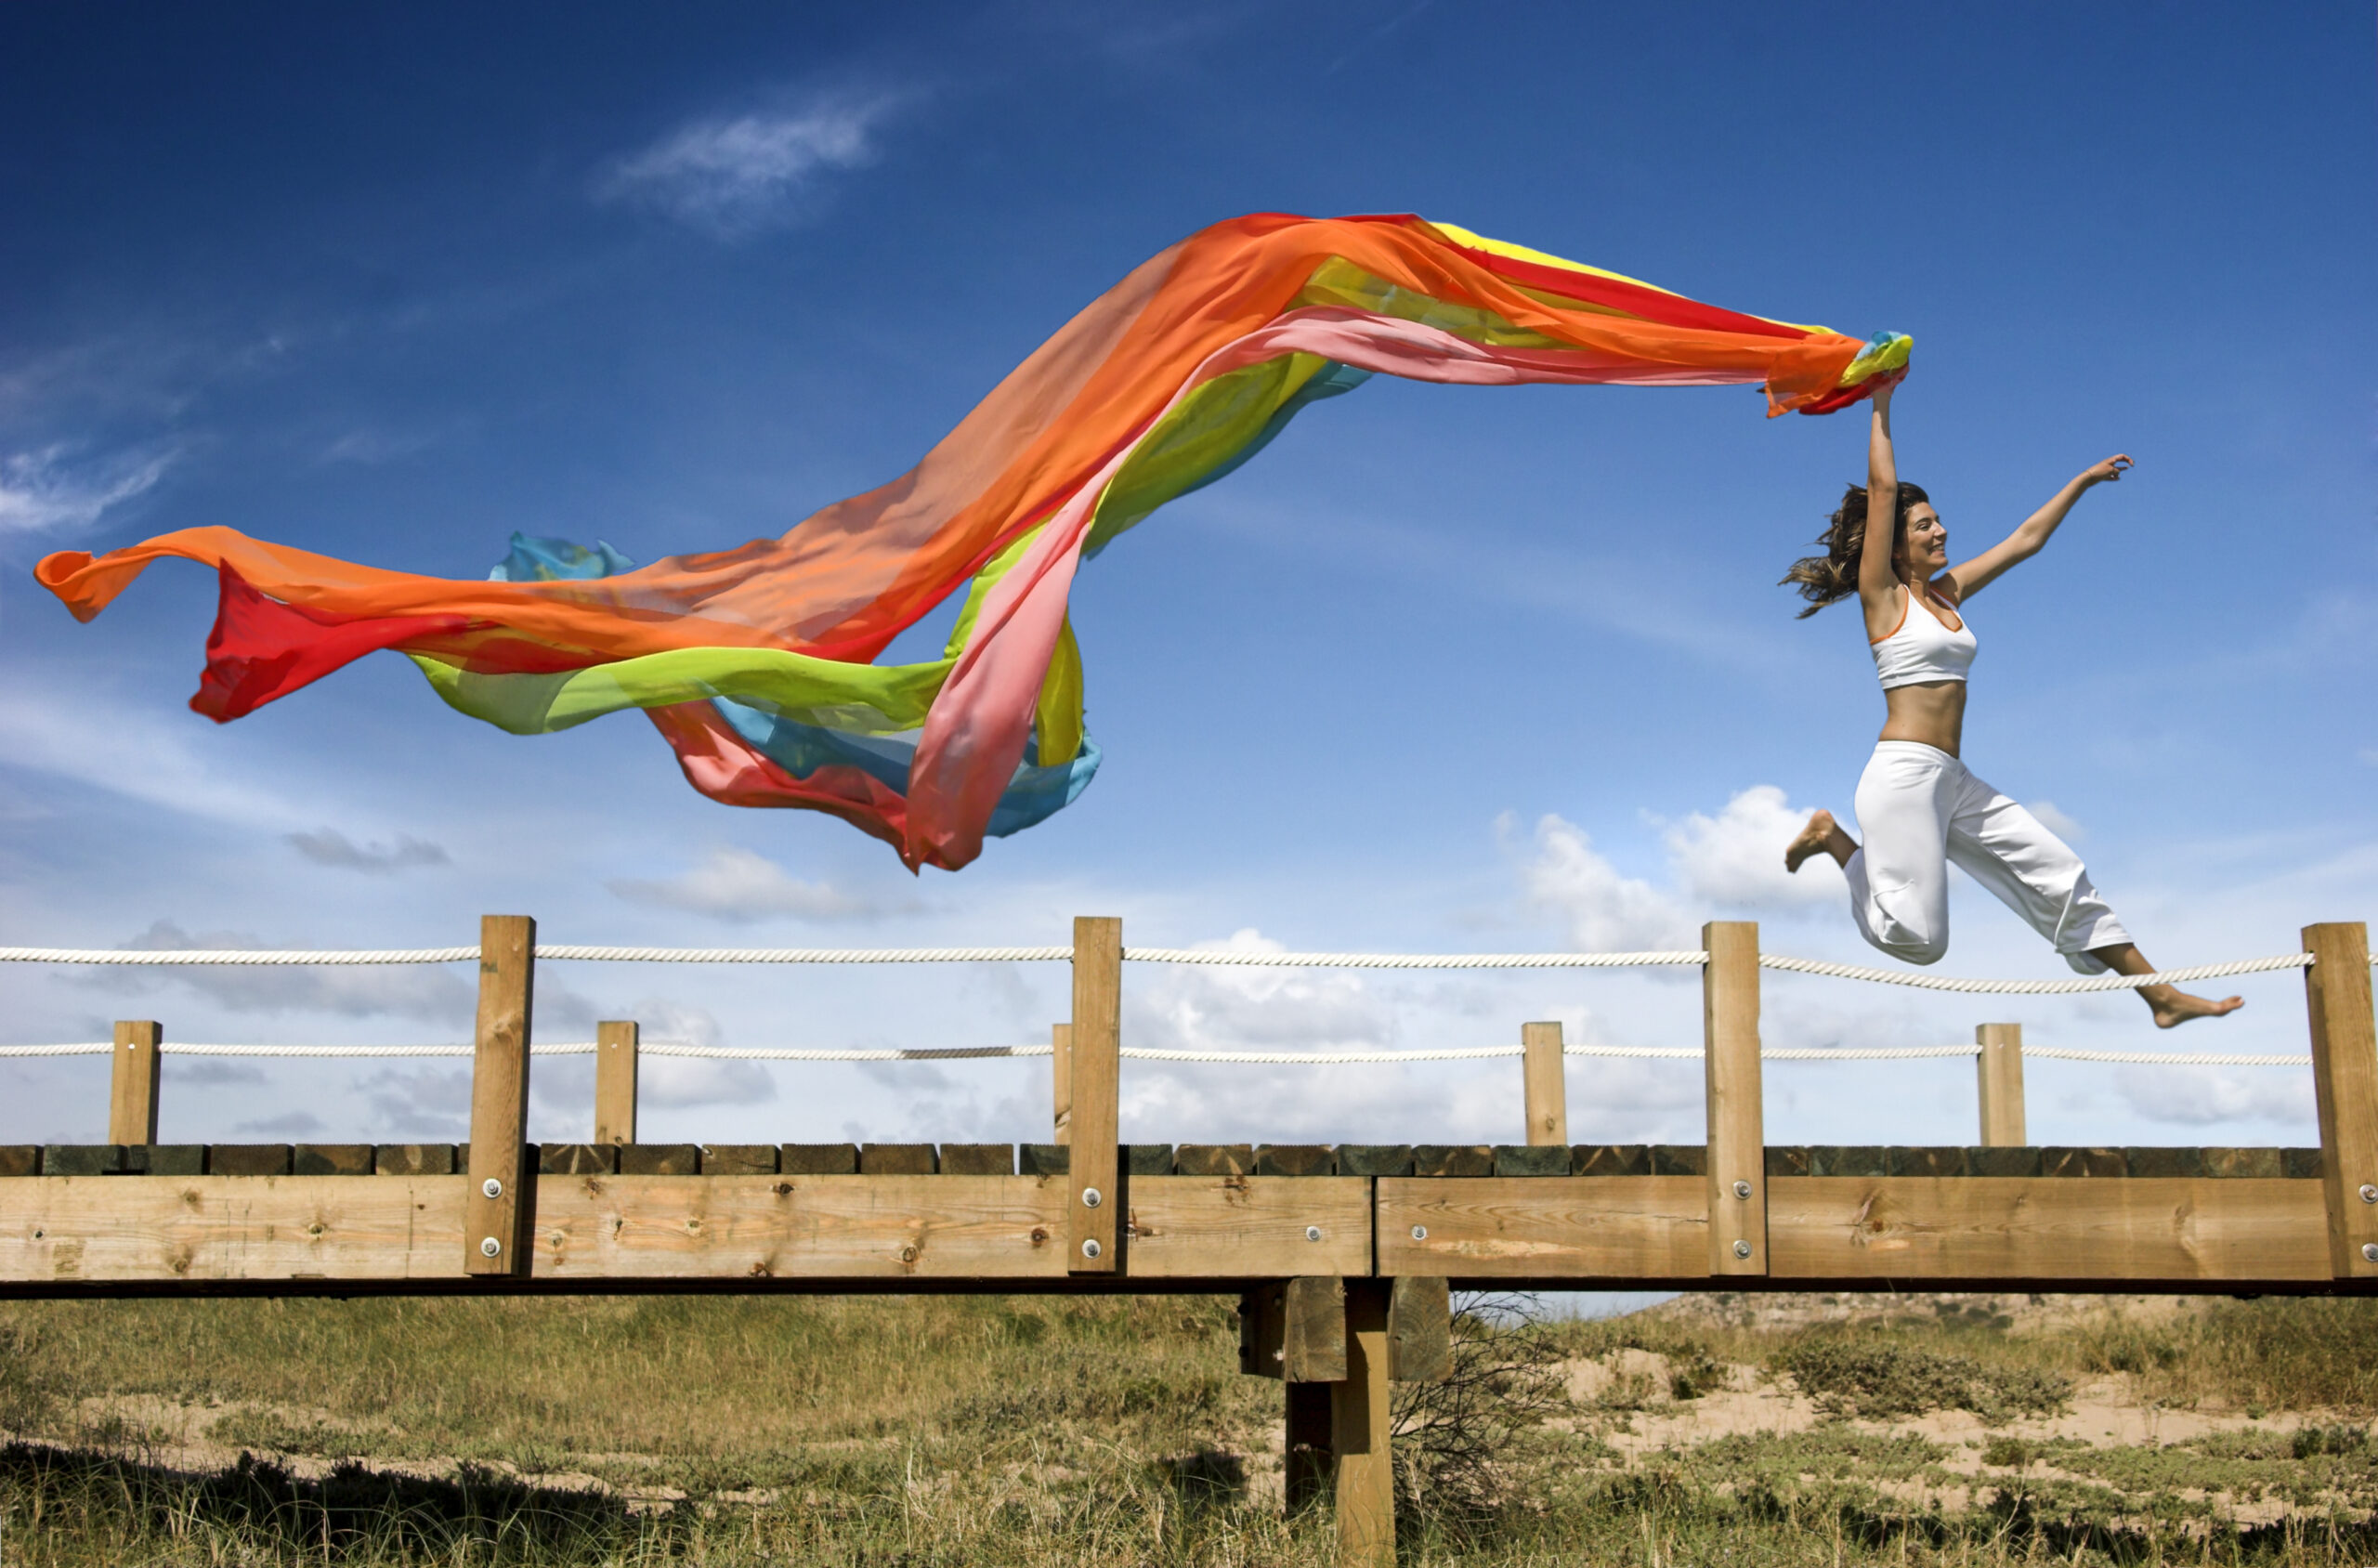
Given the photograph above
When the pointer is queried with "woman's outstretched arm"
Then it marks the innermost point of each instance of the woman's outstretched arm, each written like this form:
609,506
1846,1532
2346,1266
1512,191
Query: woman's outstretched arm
1972,577
1877,582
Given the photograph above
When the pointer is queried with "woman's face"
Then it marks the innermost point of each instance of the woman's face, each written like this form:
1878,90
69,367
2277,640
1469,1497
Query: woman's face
1923,548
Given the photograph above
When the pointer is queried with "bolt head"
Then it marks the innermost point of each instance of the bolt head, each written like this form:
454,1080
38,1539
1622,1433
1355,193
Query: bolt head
2368,1193
1419,1232
490,1247
1091,1249
1741,1189
1741,1249
1091,1197
492,1187
2370,1250
1312,1233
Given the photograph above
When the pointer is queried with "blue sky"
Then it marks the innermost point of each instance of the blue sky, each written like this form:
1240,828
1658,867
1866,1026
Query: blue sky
1442,670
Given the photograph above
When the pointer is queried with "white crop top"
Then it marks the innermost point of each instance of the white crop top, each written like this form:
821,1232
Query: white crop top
1922,648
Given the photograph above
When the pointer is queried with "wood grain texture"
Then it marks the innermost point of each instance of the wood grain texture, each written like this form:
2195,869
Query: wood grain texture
1546,1086
1569,1227
1061,1082
500,1097
1986,1227
783,1227
1419,1330
1999,1082
1359,1424
133,1084
2344,1077
1737,1161
1222,1227
1313,1330
92,1229
616,1045
1092,1223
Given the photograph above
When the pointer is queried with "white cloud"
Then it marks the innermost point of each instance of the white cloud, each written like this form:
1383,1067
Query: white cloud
2057,822
2204,1096
681,1080
47,734
44,488
731,176
331,847
436,993
736,885
1736,857
1603,910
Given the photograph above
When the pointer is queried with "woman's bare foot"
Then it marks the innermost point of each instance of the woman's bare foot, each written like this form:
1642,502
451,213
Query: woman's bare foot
1822,835
2173,1007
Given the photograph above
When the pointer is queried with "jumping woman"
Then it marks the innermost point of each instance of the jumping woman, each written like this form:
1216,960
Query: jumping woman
1918,805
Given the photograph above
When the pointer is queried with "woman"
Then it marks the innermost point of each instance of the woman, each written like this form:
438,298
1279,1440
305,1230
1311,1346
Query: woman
1918,804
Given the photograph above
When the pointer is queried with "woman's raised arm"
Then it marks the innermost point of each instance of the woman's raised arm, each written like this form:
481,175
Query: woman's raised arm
1878,578
1971,577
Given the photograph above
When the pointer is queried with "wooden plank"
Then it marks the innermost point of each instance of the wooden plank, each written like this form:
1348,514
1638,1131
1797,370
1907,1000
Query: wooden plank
2345,1076
92,1229
1737,1162
1061,1080
1313,1330
788,1227
1547,1090
1999,1071
617,1044
2040,1228
1092,1230
132,1088
1550,1227
500,1097
1359,1429
1223,1227
1420,1331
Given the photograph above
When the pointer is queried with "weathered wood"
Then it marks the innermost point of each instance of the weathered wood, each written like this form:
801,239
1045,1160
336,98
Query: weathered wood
1375,1160
414,1159
1453,1159
819,1159
92,1229
739,1159
1531,1159
617,1044
2344,1077
1260,1317
978,1159
1420,1331
897,1159
494,1216
1061,1080
782,1227
578,1159
1093,1231
1306,1457
325,1160
1214,1160
1191,1227
1294,1159
1999,1075
1544,1084
248,1160
660,1159
1574,1227
1737,1161
1981,1227
1359,1429
132,1088
1313,1330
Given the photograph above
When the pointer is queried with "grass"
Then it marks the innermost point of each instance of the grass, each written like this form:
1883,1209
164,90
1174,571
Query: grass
1037,1432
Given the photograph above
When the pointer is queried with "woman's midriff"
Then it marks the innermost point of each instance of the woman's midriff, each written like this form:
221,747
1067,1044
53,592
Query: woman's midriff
1929,711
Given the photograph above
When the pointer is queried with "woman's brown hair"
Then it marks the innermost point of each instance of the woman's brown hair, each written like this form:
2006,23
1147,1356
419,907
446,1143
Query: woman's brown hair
1834,575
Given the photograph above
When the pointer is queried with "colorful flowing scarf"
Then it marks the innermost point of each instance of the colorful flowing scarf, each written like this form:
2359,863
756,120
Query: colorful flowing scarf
756,663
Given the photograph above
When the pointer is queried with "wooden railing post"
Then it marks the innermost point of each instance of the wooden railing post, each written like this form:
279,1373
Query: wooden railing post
1360,1425
131,1087
1548,1094
2345,1077
1061,1079
1096,1087
2000,1071
616,1045
1306,1458
495,1221
1737,1152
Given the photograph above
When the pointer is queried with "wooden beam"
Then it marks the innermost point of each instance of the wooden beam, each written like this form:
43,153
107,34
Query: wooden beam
1096,1182
1313,1330
1999,1069
1737,1168
132,1089
1420,1331
1548,1094
616,1045
1205,1227
1306,1456
1916,1228
197,1229
2345,1077
494,1214
1359,1431
1521,1227
1061,1079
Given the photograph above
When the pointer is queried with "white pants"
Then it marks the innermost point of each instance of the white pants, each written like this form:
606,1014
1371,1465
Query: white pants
1920,808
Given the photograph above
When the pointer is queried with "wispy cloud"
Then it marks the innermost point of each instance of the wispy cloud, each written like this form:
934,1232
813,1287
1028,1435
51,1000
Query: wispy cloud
45,733
48,488
732,175
737,886
331,847
434,994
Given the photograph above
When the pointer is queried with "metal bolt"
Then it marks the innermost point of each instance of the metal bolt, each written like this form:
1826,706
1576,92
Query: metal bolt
1091,1249
1741,1249
490,1247
1312,1233
1091,1197
492,1187
1419,1232
1741,1189
2370,1250
2368,1193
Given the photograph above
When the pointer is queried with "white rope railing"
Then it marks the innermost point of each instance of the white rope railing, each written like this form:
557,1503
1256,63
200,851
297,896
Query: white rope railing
2033,987
236,956
579,953
1239,957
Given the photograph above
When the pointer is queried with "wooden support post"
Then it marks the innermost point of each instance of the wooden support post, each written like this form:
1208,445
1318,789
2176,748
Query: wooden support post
1548,1095
2000,1070
1097,1032
1306,1458
494,1220
1061,1079
132,1091
2344,1077
1737,1153
1359,1427
616,1045
1419,1330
